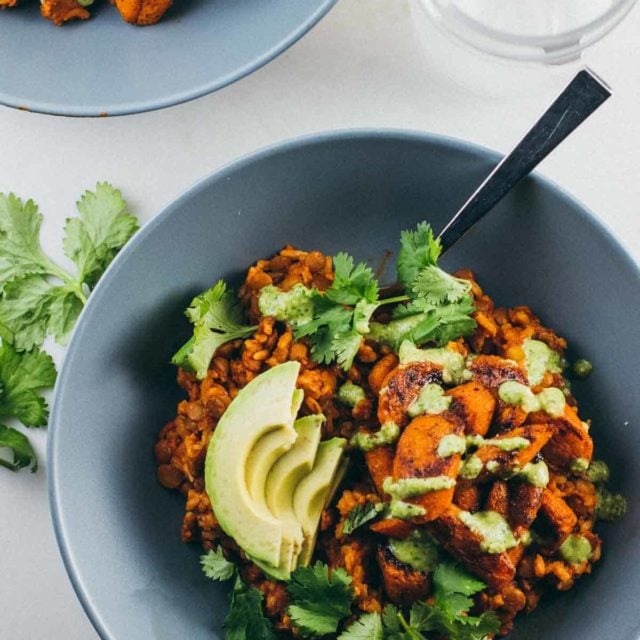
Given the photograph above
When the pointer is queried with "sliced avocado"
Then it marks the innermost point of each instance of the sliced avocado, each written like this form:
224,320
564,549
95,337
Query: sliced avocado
282,481
314,492
267,404
265,453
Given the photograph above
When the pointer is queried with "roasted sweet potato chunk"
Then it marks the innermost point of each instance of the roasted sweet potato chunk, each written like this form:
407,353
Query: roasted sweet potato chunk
494,568
556,519
380,464
393,528
142,12
467,495
492,371
402,386
381,370
417,457
524,503
474,405
537,434
570,440
402,583
498,498
61,11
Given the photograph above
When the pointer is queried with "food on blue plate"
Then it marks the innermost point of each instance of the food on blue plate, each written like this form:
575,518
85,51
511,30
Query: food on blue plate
380,463
138,12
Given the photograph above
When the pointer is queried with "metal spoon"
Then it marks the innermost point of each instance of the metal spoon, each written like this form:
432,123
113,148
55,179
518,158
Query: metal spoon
582,96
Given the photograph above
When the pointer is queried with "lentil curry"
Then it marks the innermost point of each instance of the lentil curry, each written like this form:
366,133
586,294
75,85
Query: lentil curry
477,447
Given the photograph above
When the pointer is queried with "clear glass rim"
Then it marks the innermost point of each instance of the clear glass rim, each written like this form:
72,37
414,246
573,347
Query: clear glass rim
566,45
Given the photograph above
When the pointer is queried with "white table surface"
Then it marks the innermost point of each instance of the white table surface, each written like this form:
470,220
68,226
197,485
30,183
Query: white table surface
369,63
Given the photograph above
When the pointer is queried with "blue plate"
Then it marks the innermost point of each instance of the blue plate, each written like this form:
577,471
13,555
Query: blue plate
118,530
104,66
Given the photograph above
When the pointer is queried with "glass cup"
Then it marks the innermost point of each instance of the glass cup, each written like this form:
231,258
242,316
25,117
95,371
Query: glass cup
545,31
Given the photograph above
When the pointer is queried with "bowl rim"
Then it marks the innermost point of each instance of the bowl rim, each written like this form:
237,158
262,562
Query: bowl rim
57,108
361,134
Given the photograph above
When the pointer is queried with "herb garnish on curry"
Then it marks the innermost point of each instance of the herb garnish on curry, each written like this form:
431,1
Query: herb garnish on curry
365,465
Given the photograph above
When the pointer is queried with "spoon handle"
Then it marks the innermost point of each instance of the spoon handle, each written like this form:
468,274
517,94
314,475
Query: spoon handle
582,96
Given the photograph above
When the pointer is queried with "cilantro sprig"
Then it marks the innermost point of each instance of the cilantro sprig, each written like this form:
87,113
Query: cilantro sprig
436,307
448,616
38,298
320,599
217,319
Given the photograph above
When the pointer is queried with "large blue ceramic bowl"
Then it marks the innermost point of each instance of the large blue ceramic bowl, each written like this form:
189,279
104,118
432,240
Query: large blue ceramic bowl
118,530
106,67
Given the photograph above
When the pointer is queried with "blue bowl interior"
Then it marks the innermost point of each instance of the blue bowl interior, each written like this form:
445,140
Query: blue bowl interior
119,530
104,66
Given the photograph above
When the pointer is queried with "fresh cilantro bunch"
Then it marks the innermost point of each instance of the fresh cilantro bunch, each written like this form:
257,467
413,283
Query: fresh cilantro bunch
343,312
439,307
320,600
436,307
446,617
38,298
217,319
246,619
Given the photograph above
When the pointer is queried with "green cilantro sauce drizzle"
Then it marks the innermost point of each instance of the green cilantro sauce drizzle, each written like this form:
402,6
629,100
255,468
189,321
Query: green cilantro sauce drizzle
492,528
418,550
575,549
551,400
351,394
294,306
540,358
388,434
431,400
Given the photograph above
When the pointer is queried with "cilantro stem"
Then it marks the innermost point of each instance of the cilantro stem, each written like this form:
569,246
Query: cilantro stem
72,283
395,300
413,634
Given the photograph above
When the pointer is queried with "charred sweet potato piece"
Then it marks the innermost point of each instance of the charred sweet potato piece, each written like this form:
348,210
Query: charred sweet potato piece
417,457
496,569
474,405
510,416
9,3
401,387
570,440
61,11
142,12
492,371
556,519
380,371
467,495
380,464
393,528
524,503
498,498
537,434
402,583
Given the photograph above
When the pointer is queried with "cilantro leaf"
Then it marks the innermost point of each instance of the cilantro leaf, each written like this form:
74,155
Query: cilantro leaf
20,252
22,376
418,249
38,297
352,283
216,566
451,578
22,453
366,627
246,619
436,286
217,319
319,600
102,228
360,515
